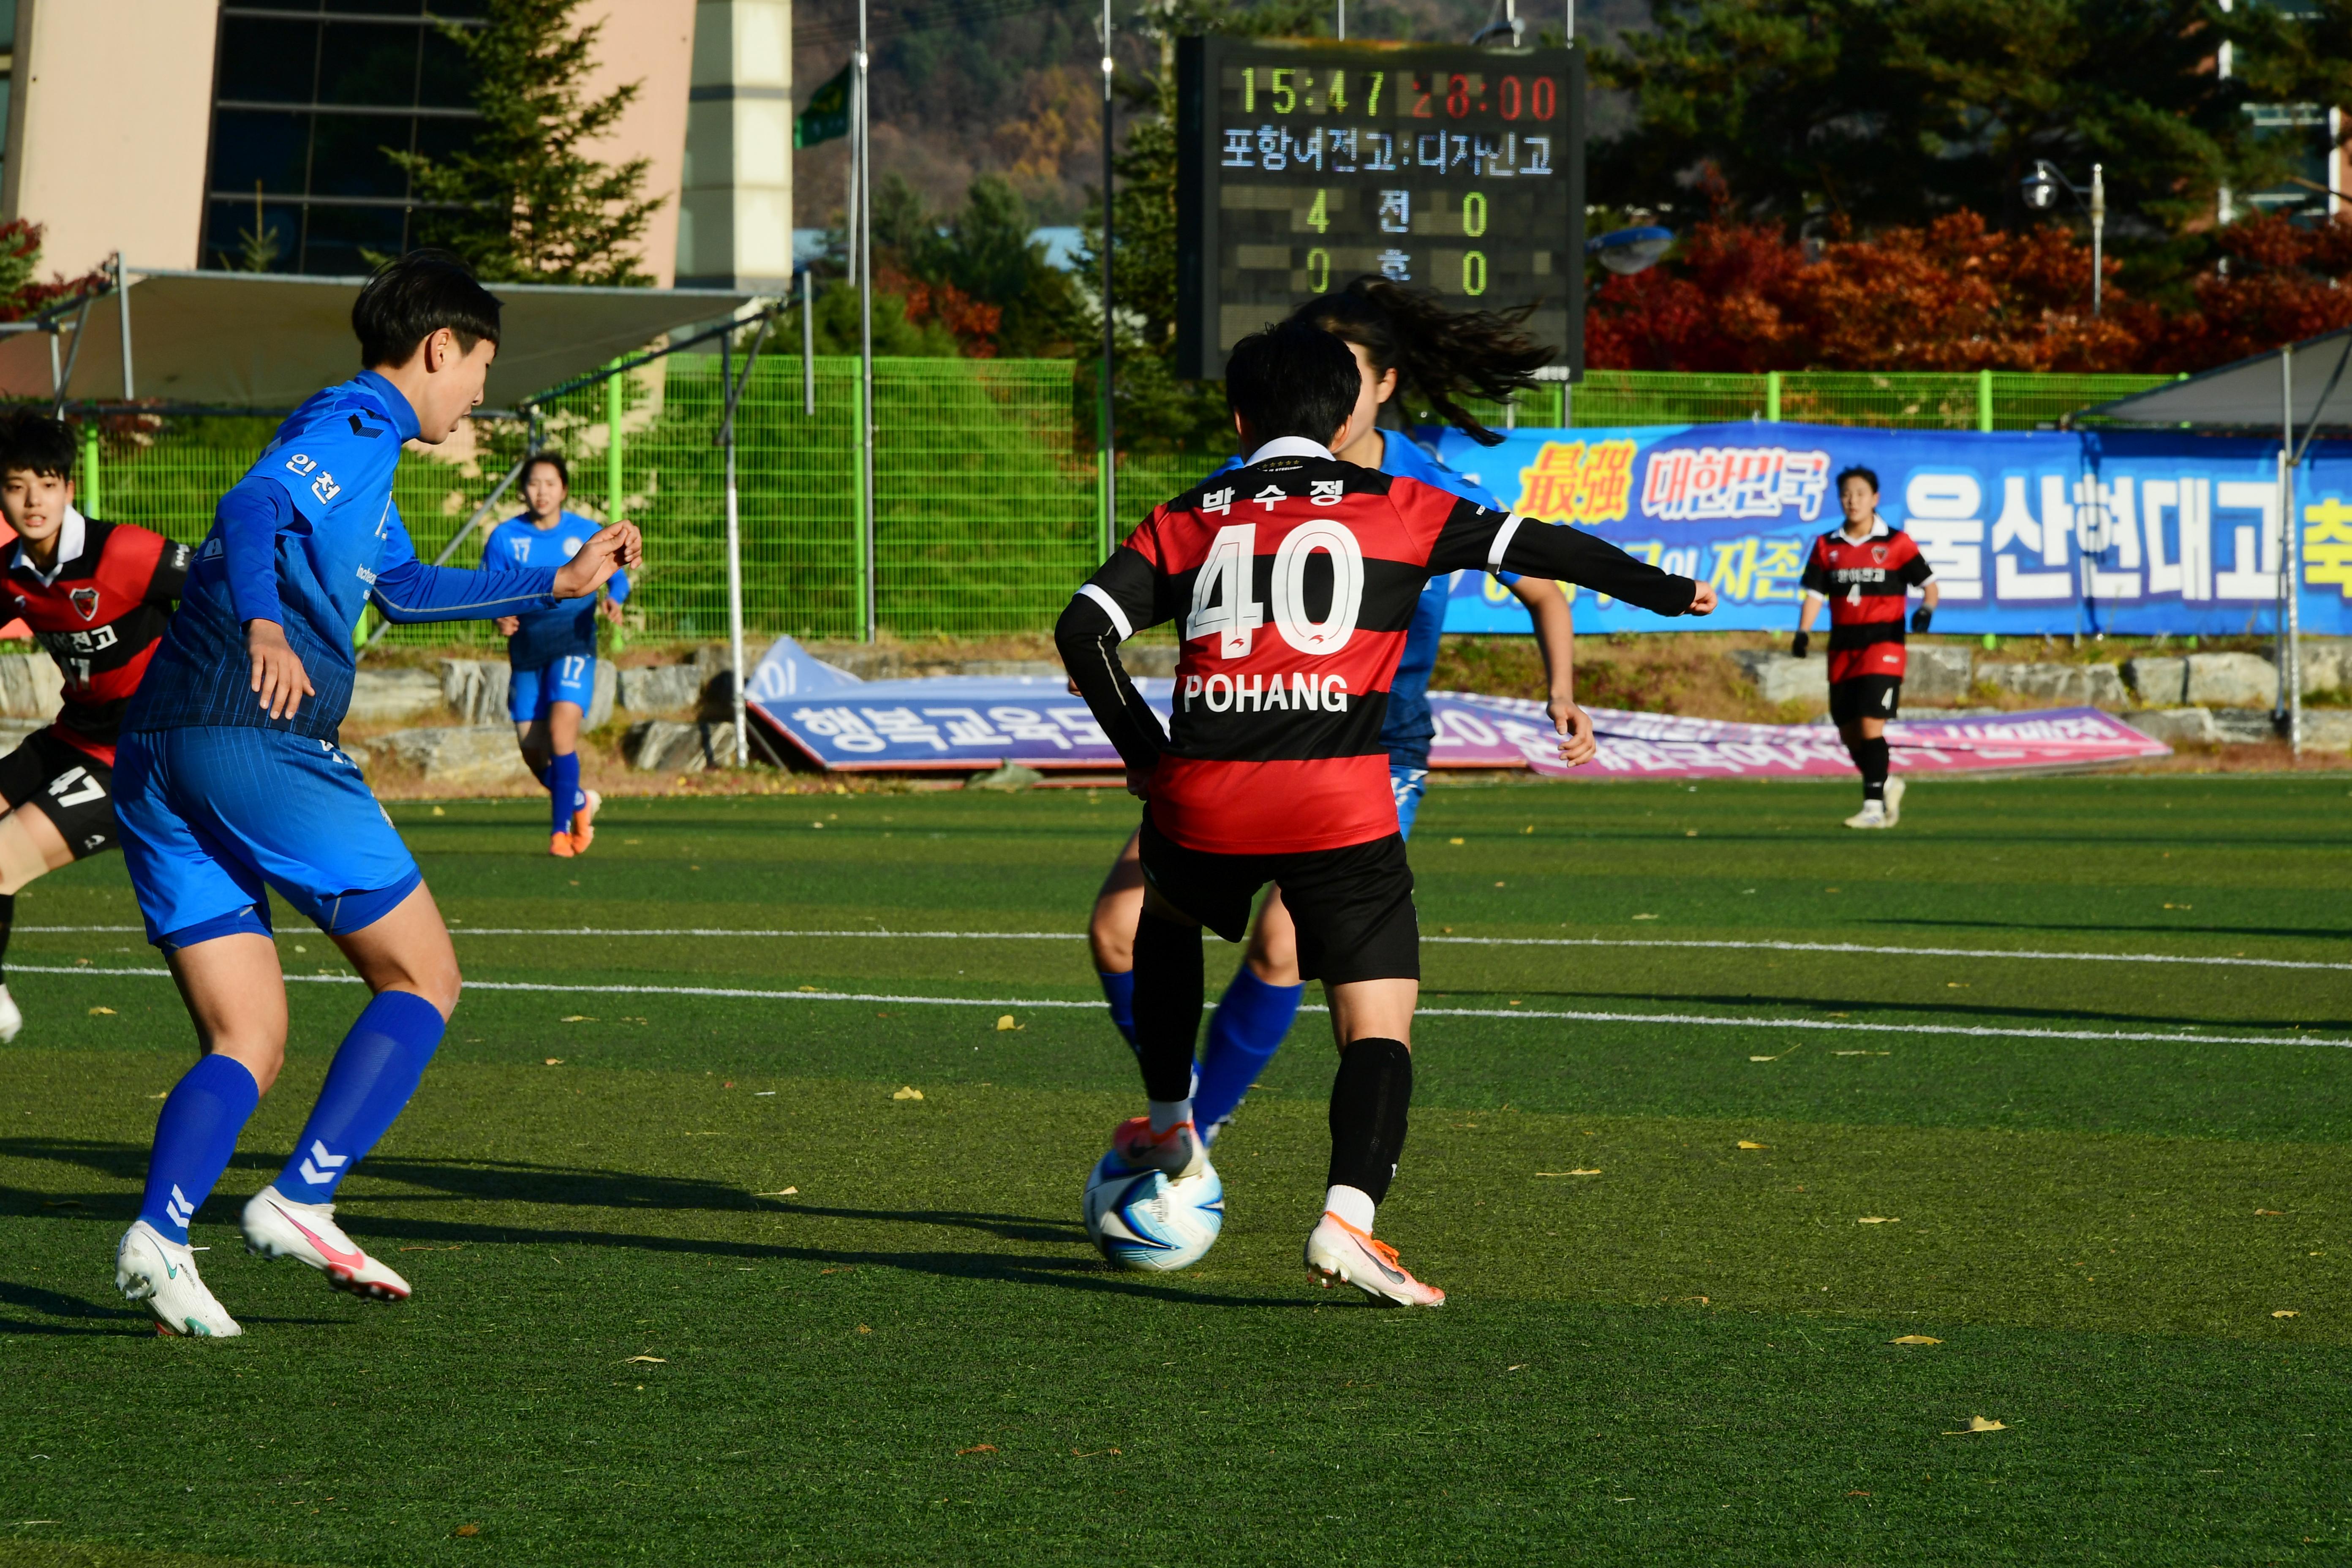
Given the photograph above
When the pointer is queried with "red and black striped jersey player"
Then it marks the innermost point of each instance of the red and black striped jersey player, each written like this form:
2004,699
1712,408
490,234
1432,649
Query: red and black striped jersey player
1866,570
1294,578
97,594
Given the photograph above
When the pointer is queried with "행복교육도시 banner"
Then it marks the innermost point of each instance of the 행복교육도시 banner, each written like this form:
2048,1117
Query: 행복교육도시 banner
2026,531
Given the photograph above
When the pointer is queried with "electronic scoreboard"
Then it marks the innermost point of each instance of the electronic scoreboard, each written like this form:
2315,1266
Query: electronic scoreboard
1303,164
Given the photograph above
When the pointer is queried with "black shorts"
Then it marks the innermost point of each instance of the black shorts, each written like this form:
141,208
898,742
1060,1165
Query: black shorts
1865,696
1352,906
74,790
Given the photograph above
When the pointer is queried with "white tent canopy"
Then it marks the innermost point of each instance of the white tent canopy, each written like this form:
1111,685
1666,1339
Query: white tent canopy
2252,394
268,341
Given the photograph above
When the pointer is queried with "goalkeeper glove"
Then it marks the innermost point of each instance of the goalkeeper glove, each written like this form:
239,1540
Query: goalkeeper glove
1920,617
1804,641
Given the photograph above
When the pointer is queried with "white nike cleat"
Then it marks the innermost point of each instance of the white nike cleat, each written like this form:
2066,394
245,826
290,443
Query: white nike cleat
162,1273
12,1022
1178,1153
277,1226
1895,788
1337,1250
1872,814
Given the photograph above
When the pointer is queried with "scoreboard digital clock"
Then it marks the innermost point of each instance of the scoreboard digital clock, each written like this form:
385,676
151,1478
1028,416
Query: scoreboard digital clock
1303,164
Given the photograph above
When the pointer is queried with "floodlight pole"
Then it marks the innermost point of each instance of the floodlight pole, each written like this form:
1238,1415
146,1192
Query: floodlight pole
122,306
864,220
1109,444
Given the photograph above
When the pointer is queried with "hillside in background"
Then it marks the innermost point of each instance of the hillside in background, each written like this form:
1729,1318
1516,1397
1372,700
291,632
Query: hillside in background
968,87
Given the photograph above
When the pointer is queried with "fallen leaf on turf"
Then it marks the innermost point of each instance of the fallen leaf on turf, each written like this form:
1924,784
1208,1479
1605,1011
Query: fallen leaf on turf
1690,833
780,1193
1857,1494
1981,1423
2274,1214
864,1329
1956,986
1005,1023
2286,1312
463,1528
101,1012
555,1061
575,1019
1521,1367
1645,917
808,987
1702,1301
1861,1052
2180,906
1791,1051
1498,884
1449,841
1878,1219
1913,1340
977,1448
651,1359
1591,1173
908,1093
1744,1143
439,812
1097,1453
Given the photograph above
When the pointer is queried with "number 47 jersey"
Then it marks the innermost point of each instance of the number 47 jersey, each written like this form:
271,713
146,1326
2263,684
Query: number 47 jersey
1294,579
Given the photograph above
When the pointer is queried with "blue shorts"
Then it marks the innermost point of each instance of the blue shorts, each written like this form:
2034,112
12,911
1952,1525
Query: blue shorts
1407,785
531,692
213,816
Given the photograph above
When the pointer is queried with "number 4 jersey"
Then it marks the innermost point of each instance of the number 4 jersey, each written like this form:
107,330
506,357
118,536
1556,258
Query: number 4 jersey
98,611
1866,582
1295,579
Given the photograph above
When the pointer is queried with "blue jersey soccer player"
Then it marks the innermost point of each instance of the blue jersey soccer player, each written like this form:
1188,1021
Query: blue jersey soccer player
1402,341
229,785
552,653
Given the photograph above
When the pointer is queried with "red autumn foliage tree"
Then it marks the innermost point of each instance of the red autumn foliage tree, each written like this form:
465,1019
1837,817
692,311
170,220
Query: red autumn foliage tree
22,294
973,322
2283,282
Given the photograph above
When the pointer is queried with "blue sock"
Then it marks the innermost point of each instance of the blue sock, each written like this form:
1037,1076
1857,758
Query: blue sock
1247,1028
563,789
1119,990
194,1139
375,1071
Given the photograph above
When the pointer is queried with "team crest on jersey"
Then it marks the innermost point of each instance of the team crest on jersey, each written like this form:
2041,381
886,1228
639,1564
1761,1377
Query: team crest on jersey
85,601
1878,554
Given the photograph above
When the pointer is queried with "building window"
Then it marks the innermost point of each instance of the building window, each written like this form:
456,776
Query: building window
307,97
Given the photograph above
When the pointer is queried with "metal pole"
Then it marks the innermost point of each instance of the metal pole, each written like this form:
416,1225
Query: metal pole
123,304
1571,36
2290,661
1110,443
2098,238
808,346
864,217
1343,21
56,375
734,387
616,404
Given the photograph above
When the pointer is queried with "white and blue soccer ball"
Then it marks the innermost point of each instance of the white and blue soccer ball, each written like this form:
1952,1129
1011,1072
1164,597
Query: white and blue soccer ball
1142,1220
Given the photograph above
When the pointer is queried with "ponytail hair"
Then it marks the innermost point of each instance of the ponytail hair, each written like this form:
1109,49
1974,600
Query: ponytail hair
1439,355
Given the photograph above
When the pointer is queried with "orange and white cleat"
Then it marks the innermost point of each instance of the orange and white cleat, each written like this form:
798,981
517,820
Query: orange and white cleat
1177,1153
560,845
277,1226
1337,1250
584,822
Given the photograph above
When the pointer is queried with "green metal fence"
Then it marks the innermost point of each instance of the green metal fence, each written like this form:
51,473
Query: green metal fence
988,505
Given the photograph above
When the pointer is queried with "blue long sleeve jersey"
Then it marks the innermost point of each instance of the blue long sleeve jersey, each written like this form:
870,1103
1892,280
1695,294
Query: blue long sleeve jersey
306,538
1410,728
570,627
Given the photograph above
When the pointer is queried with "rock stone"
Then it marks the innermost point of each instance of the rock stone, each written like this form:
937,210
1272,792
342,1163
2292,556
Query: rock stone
2068,685
2244,726
476,689
394,696
2231,681
2175,726
662,687
466,756
2327,729
2157,680
1782,677
2326,664
1937,675
664,746
31,685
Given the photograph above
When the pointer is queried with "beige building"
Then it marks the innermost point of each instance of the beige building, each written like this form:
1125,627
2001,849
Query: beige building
196,134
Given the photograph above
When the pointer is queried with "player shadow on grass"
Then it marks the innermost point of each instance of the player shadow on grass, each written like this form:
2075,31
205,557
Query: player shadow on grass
1847,1007
2323,933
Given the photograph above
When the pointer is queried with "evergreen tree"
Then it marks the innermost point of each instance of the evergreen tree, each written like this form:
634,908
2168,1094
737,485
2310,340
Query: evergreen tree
530,204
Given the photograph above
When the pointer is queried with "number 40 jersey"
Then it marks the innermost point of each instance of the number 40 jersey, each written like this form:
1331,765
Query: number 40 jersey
98,611
1295,579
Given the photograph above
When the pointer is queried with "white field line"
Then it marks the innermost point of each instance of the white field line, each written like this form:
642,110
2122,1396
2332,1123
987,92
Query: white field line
746,992
1846,947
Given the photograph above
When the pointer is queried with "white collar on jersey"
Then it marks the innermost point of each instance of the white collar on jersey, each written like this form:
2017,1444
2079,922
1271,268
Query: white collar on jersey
71,536
1289,447
1878,529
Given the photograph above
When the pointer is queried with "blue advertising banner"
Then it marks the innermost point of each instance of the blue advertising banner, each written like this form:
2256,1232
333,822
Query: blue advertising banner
2028,531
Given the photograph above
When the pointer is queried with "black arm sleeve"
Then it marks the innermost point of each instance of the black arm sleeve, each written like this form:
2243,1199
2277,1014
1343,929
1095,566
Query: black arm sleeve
1089,640
1564,554
1916,572
171,573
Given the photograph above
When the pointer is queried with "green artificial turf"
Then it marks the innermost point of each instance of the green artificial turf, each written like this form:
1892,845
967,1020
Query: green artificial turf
913,1357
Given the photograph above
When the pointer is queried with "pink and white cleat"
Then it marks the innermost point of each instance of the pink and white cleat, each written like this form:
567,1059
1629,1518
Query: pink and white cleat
277,1226
1178,1153
1337,1250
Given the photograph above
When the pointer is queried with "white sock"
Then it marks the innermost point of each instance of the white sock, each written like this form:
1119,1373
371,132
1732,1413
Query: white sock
1167,1113
1351,1203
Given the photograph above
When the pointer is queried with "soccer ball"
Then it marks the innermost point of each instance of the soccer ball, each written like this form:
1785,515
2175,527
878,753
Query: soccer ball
1141,1220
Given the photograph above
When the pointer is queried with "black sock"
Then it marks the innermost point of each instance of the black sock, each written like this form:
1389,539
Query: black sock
1370,1098
1168,999
7,919
1870,756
